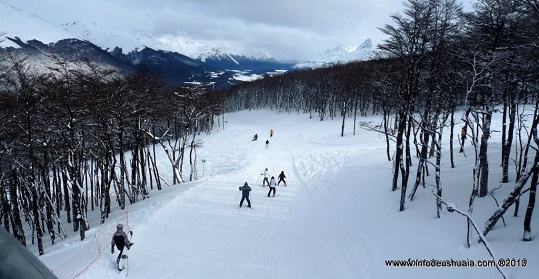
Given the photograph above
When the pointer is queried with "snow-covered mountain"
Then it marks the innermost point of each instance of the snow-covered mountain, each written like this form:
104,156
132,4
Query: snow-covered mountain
177,60
41,55
341,54
228,58
26,26
213,52
109,38
215,56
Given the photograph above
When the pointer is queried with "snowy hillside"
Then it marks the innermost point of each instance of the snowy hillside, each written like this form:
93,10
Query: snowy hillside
341,54
17,23
336,218
106,37
28,26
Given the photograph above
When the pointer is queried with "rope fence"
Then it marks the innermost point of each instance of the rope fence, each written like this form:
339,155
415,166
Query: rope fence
90,253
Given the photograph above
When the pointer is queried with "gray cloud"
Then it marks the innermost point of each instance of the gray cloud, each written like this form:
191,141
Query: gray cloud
287,29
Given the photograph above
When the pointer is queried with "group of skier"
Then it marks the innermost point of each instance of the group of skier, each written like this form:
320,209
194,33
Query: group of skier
121,241
266,175
271,132
245,189
271,182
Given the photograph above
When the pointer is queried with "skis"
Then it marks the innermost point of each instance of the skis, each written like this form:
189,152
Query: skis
123,263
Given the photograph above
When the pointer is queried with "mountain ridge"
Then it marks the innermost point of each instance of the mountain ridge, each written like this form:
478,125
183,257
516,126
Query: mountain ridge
340,54
32,27
176,59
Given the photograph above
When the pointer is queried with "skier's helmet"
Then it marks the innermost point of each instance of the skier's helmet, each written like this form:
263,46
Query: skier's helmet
120,226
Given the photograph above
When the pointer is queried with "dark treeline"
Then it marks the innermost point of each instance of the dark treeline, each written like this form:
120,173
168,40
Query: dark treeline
439,67
75,135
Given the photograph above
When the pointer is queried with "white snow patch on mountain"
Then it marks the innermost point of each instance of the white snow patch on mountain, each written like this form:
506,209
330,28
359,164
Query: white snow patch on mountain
246,76
204,52
108,38
17,23
341,54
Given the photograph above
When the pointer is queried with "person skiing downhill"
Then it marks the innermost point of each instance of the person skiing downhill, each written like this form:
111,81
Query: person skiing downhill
120,240
255,137
267,142
245,189
266,177
271,133
281,178
272,186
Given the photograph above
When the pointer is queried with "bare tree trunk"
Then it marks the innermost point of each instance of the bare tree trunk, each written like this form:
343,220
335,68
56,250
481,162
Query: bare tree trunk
16,223
423,153
483,160
66,196
522,158
398,164
175,162
121,184
405,168
355,115
531,205
491,222
507,141
192,153
35,213
515,194
343,114
4,203
386,134
437,167
451,136
47,194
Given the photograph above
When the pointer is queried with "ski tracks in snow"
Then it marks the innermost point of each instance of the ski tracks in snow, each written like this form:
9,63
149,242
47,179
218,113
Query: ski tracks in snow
278,238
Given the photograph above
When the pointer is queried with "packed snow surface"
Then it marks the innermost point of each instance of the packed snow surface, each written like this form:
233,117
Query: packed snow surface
336,218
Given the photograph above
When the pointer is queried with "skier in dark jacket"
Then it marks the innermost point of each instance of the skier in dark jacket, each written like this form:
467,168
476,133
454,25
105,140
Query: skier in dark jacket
255,137
281,178
120,240
245,189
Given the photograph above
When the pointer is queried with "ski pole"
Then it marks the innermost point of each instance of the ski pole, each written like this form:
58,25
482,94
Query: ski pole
236,199
258,178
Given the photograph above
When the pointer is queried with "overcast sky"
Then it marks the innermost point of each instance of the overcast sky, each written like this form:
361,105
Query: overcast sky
286,29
